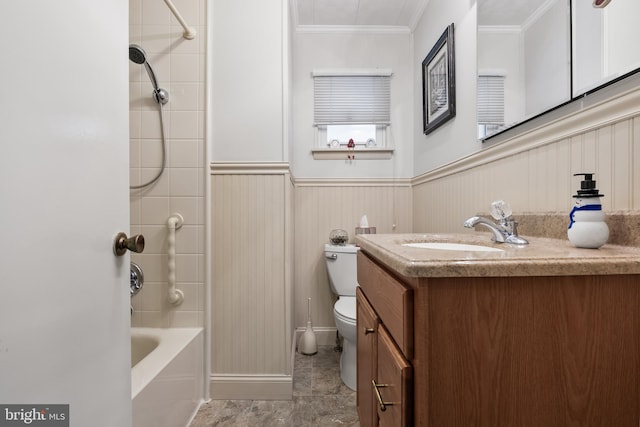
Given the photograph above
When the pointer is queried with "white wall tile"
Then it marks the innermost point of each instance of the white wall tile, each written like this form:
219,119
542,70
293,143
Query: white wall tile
187,268
184,97
189,10
184,124
184,153
159,188
188,207
151,153
184,182
155,12
185,68
150,126
155,210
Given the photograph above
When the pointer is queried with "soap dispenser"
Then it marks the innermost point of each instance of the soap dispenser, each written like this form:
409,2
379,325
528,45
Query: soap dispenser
587,228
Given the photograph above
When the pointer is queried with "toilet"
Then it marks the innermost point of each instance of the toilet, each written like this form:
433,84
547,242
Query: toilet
341,266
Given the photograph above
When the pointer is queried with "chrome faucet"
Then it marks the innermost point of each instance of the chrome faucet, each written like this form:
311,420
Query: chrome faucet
505,231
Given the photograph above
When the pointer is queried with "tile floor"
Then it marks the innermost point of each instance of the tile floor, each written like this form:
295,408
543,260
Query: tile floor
319,399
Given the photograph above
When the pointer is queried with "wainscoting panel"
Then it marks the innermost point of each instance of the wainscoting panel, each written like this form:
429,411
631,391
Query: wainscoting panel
324,205
534,172
251,276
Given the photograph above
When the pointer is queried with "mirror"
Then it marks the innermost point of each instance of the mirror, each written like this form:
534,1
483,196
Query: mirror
604,43
535,56
523,60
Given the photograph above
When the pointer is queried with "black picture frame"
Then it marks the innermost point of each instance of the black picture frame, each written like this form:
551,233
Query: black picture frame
439,83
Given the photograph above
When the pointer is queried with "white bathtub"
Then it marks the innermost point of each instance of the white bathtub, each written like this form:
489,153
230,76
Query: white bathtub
167,380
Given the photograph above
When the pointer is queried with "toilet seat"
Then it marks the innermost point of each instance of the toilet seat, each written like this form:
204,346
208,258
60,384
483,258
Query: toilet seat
345,308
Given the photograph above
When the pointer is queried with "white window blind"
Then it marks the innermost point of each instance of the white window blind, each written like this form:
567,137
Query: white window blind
352,99
491,100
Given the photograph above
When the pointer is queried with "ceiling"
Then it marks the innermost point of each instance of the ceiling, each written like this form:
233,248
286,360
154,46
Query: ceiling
396,13
402,13
507,12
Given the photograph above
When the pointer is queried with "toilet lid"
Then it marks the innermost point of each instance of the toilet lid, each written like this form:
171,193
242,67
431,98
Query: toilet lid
346,307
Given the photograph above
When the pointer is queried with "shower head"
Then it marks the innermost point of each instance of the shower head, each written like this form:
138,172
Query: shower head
139,56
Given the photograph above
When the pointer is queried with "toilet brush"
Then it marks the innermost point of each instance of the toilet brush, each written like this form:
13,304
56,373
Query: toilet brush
307,343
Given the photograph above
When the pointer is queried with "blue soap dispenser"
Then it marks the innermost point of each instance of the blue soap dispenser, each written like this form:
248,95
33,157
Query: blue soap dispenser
587,228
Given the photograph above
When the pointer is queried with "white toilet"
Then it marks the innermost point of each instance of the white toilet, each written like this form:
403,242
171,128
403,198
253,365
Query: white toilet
341,265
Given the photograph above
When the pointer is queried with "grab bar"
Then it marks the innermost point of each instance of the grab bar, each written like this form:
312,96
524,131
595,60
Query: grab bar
189,32
176,296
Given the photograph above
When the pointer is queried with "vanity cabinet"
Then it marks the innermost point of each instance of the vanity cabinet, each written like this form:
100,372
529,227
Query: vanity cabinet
385,342
553,350
367,332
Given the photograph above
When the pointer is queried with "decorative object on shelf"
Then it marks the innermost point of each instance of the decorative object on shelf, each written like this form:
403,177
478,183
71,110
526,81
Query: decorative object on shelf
351,150
338,237
438,83
599,4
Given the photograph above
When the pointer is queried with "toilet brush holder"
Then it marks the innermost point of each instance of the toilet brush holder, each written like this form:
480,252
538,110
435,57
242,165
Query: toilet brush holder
307,344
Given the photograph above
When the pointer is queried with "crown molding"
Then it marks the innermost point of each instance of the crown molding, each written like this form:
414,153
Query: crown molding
352,29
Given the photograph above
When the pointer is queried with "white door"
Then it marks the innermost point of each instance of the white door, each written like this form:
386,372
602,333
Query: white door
64,298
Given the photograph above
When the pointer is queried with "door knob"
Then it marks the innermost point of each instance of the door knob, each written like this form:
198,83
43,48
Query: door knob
133,243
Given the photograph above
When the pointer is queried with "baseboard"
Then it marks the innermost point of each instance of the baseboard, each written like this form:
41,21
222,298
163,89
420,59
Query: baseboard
265,387
251,387
324,335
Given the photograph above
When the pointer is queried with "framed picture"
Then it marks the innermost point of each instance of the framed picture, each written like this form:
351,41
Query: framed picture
439,83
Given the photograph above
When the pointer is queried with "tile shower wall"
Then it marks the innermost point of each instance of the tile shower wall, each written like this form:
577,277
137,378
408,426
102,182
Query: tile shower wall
179,65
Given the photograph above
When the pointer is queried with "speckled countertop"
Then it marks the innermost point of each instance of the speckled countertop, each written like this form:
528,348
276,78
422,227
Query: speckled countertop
541,257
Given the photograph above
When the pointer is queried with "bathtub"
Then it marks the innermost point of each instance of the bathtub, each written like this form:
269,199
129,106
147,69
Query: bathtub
167,380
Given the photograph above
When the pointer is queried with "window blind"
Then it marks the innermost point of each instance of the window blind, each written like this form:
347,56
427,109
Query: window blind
352,99
491,100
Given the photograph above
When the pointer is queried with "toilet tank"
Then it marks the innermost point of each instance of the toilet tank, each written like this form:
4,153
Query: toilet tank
341,266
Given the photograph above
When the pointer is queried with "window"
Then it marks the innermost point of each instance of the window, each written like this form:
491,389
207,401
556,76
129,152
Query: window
490,104
352,105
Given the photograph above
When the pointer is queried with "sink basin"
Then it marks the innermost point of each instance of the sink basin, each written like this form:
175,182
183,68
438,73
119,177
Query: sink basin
443,246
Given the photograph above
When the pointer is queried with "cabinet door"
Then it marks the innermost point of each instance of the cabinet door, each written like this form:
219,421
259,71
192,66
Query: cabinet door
393,388
367,322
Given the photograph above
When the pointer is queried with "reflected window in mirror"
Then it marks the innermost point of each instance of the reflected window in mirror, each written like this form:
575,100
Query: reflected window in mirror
530,43
490,104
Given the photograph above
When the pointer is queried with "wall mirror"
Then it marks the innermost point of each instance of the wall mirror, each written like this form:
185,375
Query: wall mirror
524,60
535,56
605,43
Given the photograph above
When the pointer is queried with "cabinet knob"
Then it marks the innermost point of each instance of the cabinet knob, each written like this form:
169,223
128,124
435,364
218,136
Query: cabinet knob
368,331
382,404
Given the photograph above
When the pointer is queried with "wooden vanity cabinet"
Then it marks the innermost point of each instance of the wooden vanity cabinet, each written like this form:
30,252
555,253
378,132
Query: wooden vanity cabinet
384,375
549,351
393,388
367,333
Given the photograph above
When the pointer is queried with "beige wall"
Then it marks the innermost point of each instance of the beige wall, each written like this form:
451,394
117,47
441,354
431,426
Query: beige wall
179,66
324,205
534,170
251,289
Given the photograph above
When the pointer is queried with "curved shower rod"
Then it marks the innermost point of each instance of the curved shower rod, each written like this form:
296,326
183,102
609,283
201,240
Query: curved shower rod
189,32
